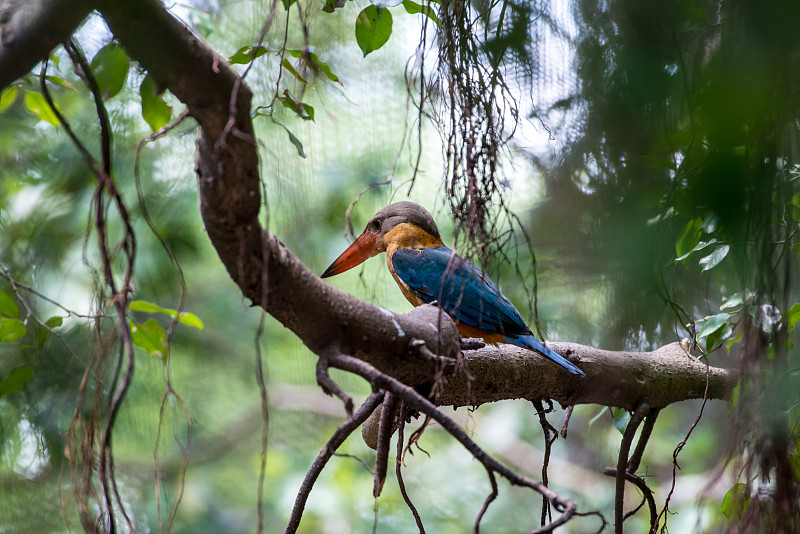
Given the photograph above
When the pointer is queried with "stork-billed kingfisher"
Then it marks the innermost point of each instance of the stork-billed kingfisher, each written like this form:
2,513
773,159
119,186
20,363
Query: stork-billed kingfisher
427,271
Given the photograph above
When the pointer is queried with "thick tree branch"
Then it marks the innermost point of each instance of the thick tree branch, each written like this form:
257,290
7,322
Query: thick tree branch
30,29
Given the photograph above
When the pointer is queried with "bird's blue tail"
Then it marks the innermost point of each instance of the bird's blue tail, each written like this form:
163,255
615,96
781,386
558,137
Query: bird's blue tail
531,343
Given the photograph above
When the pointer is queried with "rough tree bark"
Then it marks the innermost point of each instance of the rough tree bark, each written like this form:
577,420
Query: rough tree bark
326,319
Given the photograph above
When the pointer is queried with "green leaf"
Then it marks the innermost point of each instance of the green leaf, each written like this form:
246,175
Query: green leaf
713,259
304,111
332,5
296,142
735,502
151,337
713,323
8,308
373,28
686,15
287,4
245,54
734,301
621,418
43,332
187,318
155,111
734,341
11,329
16,380
793,316
715,338
315,64
286,64
699,246
36,103
110,67
690,236
8,96
414,8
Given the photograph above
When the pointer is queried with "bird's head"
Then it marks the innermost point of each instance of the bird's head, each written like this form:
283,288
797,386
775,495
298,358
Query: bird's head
402,225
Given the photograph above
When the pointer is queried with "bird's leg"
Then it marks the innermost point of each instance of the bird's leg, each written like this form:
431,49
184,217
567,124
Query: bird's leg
565,424
331,388
472,343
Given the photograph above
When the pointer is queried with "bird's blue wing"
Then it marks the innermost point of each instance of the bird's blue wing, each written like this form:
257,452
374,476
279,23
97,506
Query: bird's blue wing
461,289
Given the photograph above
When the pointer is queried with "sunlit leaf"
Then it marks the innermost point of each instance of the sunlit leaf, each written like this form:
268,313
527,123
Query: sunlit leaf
187,318
621,418
8,96
373,28
8,308
713,323
155,111
713,259
36,104
150,336
245,54
689,237
11,329
414,8
793,316
735,502
16,380
43,332
110,66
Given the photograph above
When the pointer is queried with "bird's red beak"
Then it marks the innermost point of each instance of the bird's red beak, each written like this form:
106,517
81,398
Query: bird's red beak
362,249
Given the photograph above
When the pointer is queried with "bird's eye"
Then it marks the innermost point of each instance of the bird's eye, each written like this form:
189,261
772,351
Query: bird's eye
375,226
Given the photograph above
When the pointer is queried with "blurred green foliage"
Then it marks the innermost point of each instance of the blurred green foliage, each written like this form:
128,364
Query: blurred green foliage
676,146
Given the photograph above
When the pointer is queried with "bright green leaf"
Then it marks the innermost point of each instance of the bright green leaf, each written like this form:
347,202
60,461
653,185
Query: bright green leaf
11,329
373,28
717,337
43,332
36,103
155,111
621,418
151,337
246,54
713,323
187,318
734,341
110,66
414,8
690,236
8,308
16,380
735,502
60,81
713,259
793,316
8,96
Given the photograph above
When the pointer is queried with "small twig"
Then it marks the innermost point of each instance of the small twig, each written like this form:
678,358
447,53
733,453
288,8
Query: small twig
550,435
325,454
361,461
398,470
647,494
332,388
565,422
384,440
644,436
622,463
489,499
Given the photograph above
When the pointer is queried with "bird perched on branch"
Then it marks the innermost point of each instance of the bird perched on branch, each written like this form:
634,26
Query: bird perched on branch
427,271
